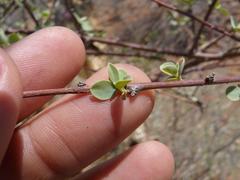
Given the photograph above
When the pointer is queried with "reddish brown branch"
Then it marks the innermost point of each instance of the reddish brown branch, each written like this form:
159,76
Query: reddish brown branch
184,83
205,23
136,46
134,87
48,92
140,47
121,54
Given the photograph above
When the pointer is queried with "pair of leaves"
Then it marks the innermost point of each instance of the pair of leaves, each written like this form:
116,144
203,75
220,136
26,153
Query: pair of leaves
118,79
233,93
173,70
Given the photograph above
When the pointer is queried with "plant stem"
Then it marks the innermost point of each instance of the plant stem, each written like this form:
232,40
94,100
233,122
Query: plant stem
198,35
135,86
205,23
50,92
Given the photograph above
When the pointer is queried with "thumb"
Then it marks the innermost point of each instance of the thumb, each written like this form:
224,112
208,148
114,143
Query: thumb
10,97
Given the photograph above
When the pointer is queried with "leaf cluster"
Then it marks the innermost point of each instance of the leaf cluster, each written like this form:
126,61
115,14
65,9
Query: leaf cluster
106,89
173,70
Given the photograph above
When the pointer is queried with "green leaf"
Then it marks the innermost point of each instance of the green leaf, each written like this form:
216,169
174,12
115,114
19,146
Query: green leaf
234,24
14,37
120,85
123,75
113,73
103,90
169,68
233,93
180,66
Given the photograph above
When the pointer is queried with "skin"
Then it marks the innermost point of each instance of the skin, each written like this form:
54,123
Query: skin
77,129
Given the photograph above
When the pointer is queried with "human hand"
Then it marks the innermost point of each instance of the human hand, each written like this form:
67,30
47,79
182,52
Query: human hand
77,129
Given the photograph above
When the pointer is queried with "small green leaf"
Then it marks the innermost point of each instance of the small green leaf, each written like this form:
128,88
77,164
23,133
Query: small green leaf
113,73
181,65
234,24
123,75
14,37
103,90
233,93
169,68
120,85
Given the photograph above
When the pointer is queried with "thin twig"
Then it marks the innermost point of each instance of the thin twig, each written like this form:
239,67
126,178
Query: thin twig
139,47
134,87
211,57
21,31
183,83
10,8
210,43
28,8
121,54
205,23
70,8
136,46
228,144
48,92
198,35
198,55
211,66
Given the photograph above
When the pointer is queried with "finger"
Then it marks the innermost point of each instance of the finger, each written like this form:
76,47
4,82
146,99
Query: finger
10,97
77,130
49,58
150,160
